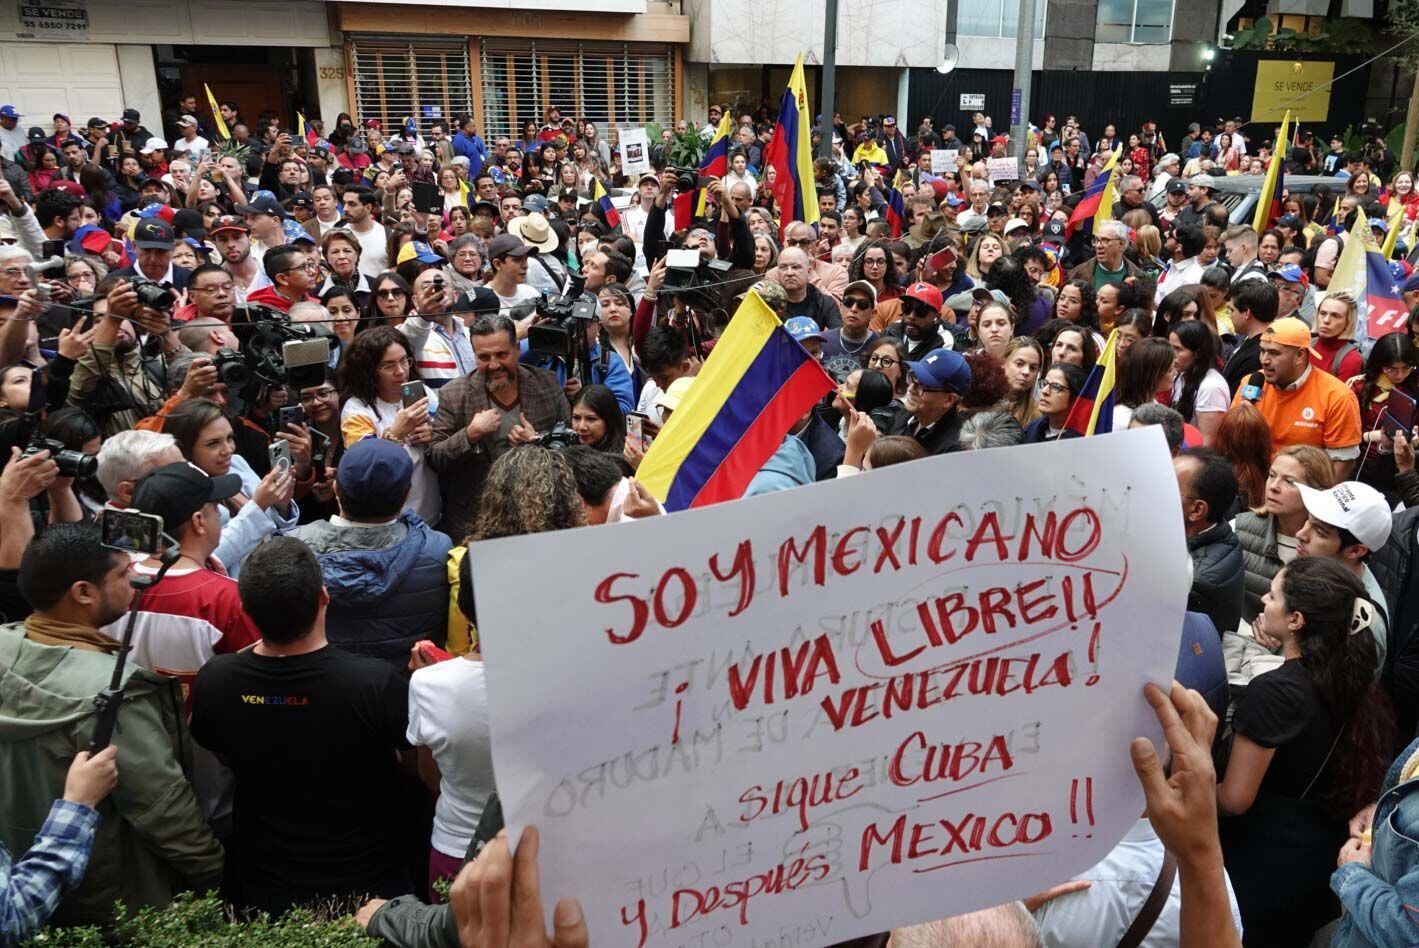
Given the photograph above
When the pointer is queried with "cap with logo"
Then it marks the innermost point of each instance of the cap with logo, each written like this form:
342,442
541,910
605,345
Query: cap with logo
1288,331
506,245
131,115
1352,506
153,233
9,112
301,199
1177,186
418,250
1053,231
863,287
176,491
1290,273
803,327
229,223
295,233
943,369
35,135
924,292
374,469
535,203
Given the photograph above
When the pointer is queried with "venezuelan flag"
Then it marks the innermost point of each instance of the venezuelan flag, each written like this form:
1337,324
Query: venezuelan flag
755,384
603,200
1268,202
217,119
1098,201
790,153
896,211
715,164
1363,270
1093,411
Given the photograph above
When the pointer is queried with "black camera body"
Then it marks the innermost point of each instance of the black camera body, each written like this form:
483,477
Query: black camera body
558,439
154,295
231,368
560,332
71,463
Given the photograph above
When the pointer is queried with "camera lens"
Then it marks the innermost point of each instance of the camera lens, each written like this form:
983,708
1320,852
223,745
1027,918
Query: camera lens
76,464
154,296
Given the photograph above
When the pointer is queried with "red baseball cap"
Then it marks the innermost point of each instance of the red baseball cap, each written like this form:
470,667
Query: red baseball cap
70,187
925,293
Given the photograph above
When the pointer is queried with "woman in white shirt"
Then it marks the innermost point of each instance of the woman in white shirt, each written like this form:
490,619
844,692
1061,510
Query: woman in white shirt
1200,393
376,367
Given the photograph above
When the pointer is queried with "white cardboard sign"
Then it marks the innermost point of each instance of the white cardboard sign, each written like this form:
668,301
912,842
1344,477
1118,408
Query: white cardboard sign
635,151
943,160
1003,169
842,708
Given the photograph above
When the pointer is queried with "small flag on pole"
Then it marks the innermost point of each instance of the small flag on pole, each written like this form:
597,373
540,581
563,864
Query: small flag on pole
217,120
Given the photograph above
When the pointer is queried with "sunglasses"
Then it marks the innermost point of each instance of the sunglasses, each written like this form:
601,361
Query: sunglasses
856,302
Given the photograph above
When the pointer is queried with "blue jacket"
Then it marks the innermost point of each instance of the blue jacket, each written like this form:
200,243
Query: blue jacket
388,584
251,525
616,377
472,148
1380,899
790,466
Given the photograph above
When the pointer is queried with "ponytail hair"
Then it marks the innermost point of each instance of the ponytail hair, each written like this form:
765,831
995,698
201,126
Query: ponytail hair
1339,652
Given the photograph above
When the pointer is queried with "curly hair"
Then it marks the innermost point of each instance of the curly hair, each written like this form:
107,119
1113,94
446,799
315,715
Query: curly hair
1342,665
988,385
528,490
1088,303
890,277
360,367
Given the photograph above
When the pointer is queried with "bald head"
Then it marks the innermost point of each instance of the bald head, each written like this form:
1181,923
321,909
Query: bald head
1004,926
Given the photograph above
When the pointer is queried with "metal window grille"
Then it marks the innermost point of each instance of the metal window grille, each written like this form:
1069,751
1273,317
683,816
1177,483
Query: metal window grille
610,84
399,77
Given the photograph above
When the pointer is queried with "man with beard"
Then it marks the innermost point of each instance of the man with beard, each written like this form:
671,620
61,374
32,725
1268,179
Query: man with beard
920,327
486,413
233,242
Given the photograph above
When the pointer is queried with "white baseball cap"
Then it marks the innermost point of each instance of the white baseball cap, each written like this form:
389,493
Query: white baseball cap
1351,506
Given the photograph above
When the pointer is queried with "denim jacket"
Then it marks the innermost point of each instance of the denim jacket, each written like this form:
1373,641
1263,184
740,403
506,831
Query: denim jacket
251,525
1381,900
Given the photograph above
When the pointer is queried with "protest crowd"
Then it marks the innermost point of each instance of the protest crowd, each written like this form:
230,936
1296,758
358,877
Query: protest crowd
326,363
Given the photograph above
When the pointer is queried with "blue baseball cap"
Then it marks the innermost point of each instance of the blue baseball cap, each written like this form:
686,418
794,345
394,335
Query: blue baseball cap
418,250
535,203
943,369
262,202
1291,273
9,112
295,233
954,200
803,327
1411,284
374,469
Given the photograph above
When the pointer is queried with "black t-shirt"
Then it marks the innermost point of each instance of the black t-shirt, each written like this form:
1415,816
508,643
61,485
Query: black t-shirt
311,740
1283,709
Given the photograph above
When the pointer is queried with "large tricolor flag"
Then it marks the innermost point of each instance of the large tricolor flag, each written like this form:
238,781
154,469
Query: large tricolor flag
1093,411
1098,201
790,153
1363,270
1268,202
603,201
755,384
217,120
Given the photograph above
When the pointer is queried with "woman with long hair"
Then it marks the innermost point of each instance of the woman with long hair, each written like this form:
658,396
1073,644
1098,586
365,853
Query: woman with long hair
1333,346
598,420
1022,360
344,310
1142,374
455,192
95,184
1173,309
982,253
1268,532
1132,325
1064,341
1199,393
1076,303
889,356
263,507
853,223
1307,746
1244,438
1401,189
390,301
765,253
1390,378
372,376
875,264
993,327
1055,396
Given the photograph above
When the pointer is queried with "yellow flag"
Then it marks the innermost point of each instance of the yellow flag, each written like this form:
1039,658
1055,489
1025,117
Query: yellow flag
300,125
1349,273
217,119
1106,199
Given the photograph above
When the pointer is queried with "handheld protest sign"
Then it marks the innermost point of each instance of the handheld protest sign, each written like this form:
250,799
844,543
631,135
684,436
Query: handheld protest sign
841,708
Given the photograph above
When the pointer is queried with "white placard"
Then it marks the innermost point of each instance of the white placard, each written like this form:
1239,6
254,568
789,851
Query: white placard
859,702
943,160
972,101
635,151
1003,169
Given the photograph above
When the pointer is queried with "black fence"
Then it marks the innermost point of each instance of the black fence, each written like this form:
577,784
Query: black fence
1126,99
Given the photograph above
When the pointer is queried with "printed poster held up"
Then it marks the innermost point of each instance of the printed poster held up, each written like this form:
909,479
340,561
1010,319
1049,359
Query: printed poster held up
635,151
843,708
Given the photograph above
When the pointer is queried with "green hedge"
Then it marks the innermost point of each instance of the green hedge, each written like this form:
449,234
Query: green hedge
204,920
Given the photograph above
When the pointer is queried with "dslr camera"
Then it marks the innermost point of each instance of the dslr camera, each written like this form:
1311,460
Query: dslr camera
231,368
558,439
153,295
71,463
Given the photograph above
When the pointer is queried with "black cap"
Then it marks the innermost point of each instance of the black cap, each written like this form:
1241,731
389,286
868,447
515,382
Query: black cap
152,233
190,222
1053,230
97,122
1177,186
301,199
176,491
263,202
35,134
130,115
997,210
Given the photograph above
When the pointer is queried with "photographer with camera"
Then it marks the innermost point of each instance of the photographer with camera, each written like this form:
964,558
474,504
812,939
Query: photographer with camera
110,380
486,413
729,241
153,841
566,338
153,238
439,338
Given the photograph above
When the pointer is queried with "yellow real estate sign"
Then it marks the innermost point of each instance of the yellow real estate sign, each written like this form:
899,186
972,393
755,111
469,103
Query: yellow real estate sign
1303,87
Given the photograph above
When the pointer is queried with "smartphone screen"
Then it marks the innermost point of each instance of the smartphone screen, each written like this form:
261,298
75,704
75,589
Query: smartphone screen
411,392
131,531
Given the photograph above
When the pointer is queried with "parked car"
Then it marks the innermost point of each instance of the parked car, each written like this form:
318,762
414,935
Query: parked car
1238,192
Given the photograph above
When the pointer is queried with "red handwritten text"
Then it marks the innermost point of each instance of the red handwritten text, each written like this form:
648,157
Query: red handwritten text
800,794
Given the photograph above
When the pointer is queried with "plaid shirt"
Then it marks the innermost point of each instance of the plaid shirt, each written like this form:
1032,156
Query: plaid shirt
56,861
465,464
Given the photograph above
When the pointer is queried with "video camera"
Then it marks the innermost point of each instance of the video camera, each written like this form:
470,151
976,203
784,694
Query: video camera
274,351
690,179
560,330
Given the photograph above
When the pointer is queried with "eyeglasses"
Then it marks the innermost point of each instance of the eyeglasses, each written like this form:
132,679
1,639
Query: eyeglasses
870,262
1052,388
1105,240
216,289
856,302
308,398
389,294
309,266
881,362
396,365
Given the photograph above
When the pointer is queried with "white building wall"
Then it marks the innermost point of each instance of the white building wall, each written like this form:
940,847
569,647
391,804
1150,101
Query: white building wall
197,22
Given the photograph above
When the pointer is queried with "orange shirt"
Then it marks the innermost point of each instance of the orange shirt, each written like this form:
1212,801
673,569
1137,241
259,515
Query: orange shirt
1321,411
